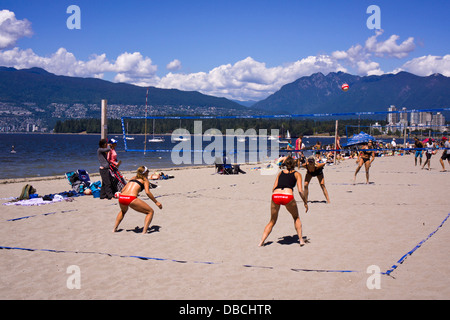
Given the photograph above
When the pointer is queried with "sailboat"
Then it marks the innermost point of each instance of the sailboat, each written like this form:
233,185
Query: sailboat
128,137
155,139
180,138
288,137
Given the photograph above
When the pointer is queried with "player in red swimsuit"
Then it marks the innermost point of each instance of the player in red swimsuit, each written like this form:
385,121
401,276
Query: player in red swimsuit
128,198
282,194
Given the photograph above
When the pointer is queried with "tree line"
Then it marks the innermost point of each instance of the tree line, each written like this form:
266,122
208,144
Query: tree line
140,126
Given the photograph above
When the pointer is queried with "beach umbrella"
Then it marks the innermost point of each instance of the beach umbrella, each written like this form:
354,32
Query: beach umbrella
359,138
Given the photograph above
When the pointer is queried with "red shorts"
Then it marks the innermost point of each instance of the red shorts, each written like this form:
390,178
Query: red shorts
126,200
282,199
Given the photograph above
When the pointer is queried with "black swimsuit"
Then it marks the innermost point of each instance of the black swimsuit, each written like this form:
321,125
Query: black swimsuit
286,180
368,154
139,183
316,172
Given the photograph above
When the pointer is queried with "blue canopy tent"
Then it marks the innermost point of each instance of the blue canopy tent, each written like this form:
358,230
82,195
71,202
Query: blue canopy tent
359,138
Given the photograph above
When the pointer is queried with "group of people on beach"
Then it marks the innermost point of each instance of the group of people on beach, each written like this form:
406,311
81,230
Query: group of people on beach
430,147
107,157
283,189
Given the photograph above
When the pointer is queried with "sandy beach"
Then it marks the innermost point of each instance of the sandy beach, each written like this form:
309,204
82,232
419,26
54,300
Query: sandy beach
203,244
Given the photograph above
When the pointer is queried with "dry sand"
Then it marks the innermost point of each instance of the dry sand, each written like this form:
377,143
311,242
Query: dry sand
208,231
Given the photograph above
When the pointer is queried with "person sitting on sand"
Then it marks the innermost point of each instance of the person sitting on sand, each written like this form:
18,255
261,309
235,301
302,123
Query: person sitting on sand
314,169
283,194
366,158
129,198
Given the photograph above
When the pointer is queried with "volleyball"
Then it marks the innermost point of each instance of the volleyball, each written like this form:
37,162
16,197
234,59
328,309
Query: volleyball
344,87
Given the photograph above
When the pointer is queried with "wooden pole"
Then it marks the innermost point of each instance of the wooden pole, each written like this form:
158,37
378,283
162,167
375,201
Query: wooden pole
335,141
104,120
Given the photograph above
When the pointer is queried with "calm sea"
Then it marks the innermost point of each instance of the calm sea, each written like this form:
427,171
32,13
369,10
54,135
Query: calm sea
55,154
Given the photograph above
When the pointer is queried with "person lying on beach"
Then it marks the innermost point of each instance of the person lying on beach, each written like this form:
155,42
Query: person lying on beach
314,169
160,176
129,198
365,158
283,194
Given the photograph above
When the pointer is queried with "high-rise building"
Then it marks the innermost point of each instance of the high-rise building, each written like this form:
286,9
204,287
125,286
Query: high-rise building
425,118
438,122
392,118
414,119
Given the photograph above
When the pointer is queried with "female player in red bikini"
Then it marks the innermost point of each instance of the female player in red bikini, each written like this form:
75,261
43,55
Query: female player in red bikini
128,198
283,194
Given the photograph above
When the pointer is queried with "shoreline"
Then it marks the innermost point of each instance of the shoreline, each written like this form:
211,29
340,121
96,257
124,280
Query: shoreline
96,174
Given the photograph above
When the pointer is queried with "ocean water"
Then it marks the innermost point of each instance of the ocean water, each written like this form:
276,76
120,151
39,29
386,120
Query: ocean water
55,154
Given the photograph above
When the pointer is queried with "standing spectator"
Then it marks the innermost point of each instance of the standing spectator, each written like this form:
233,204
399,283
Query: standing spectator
112,154
430,146
102,154
445,154
117,179
418,145
299,145
394,145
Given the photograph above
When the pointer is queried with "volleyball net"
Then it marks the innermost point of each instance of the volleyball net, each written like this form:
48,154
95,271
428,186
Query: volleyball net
152,133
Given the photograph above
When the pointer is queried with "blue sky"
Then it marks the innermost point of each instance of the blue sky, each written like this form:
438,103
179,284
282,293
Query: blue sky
243,50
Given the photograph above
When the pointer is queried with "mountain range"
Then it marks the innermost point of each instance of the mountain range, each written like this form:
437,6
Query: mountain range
38,86
323,94
317,93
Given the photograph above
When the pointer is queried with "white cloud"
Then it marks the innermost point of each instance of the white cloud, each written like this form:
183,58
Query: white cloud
360,57
248,78
12,29
427,65
369,68
389,47
130,67
174,65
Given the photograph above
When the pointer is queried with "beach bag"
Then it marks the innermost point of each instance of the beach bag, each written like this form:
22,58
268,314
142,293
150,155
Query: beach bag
83,175
27,190
78,180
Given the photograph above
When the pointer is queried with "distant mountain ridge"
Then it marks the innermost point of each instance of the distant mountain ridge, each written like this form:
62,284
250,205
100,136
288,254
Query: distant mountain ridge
323,94
39,86
317,93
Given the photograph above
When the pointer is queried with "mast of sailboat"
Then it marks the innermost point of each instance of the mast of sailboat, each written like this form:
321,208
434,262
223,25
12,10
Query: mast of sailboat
145,133
153,137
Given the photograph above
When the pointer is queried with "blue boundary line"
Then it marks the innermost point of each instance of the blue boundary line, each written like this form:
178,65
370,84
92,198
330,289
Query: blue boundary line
42,214
403,258
387,272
